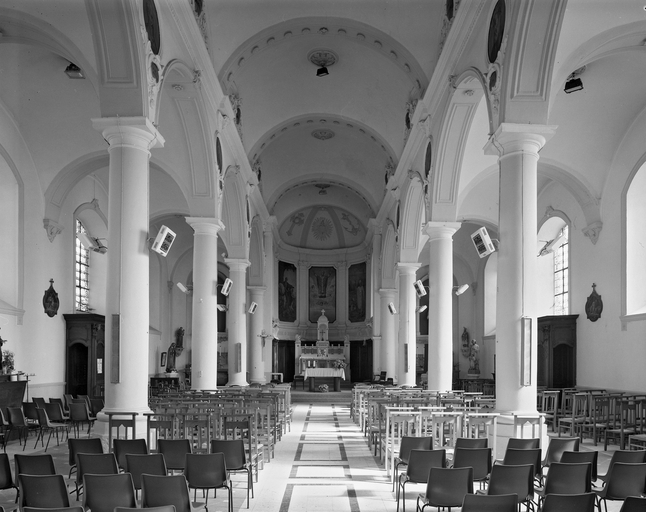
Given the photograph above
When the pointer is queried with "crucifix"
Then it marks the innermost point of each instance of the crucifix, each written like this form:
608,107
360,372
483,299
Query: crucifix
263,334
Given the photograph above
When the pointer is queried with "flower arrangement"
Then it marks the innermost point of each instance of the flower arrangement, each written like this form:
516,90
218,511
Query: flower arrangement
340,364
323,388
7,361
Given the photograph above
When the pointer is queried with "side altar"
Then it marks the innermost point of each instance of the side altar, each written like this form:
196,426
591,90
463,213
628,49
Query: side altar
322,360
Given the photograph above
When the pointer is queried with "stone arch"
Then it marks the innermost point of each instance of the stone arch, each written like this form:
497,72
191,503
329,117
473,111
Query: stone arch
412,217
256,253
234,214
389,257
451,143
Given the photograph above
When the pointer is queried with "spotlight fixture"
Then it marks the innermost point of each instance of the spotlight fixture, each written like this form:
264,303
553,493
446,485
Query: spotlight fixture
322,59
222,307
421,309
73,71
226,287
188,290
459,290
91,243
419,288
252,308
391,308
573,82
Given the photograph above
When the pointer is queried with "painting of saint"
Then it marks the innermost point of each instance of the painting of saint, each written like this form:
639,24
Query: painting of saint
322,292
286,292
357,292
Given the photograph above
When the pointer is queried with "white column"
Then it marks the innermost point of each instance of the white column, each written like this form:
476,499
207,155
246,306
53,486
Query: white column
256,341
204,354
237,322
517,146
376,309
407,341
440,304
127,297
388,334
269,310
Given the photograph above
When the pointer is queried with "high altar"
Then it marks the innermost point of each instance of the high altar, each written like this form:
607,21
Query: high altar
321,360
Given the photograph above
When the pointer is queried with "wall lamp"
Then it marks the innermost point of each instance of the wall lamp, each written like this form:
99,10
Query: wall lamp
188,290
222,307
421,309
73,71
459,290
573,82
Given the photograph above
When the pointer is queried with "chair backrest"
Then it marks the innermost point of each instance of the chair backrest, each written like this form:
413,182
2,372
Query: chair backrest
165,490
151,464
163,508
557,446
96,464
575,457
82,445
29,409
16,417
477,458
563,478
54,412
39,464
174,451
233,450
6,481
471,442
489,503
519,443
625,480
205,470
102,493
420,463
79,411
409,443
39,401
52,509
61,402
512,480
446,487
633,504
582,502
43,491
122,446
43,418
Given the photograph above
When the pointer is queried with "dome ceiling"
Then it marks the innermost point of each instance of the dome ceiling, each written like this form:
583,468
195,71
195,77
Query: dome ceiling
322,227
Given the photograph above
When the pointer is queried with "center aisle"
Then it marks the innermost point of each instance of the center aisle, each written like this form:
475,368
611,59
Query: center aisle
323,464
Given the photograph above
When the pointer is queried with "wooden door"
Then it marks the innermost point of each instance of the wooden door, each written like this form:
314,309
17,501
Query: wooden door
283,356
361,361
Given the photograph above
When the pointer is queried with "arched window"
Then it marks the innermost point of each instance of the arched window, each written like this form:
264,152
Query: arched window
562,274
635,248
81,273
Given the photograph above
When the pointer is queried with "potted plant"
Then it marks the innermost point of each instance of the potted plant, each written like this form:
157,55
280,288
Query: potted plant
7,362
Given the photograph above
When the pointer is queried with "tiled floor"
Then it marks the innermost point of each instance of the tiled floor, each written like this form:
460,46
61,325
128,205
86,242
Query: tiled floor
323,464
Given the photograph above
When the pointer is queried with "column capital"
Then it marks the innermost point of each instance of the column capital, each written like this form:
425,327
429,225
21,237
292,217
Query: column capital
237,264
513,137
408,267
205,225
257,289
441,230
137,132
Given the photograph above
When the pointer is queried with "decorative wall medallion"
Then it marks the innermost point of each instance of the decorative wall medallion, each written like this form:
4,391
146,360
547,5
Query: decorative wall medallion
322,57
50,300
496,30
151,22
594,305
321,228
323,134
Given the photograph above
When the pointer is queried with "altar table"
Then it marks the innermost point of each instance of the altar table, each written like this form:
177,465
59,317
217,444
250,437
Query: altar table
336,373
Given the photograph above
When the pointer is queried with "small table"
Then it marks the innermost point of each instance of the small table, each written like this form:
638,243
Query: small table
336,373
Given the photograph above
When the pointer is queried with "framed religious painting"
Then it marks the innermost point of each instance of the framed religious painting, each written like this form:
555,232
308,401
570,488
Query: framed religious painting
357,292
286,292
322,293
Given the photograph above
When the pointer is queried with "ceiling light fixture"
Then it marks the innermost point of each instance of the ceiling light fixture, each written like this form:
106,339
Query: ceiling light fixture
73,71
322,59
573,82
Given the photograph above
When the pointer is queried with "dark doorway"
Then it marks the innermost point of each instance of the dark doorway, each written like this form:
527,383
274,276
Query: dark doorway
361,360
77,357
283,355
